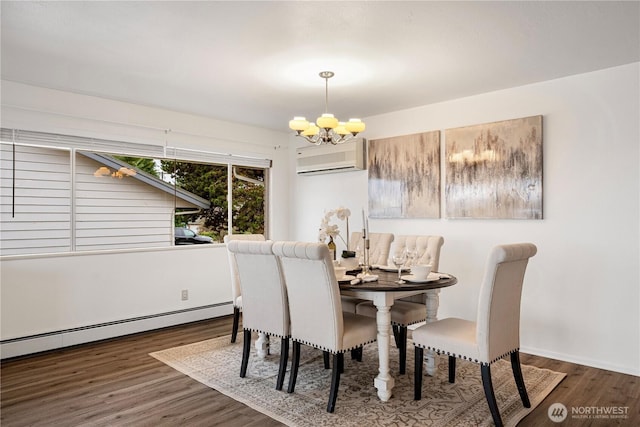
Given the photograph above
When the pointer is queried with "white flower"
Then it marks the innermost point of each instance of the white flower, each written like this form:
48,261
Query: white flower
332,230
343,213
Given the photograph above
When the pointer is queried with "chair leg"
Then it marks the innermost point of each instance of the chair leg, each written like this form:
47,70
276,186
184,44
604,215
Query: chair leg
295,362
402,348
490,395
394,328
517,375
236,321
452,369
338,361
325,357
417,376
246,349
284,356
356,354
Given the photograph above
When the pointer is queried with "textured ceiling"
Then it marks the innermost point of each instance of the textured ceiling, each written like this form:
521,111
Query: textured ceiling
258,62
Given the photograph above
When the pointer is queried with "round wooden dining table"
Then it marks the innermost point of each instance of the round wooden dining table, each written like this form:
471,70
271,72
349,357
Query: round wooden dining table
383,292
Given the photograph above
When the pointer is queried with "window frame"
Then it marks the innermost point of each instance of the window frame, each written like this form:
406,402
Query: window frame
72,144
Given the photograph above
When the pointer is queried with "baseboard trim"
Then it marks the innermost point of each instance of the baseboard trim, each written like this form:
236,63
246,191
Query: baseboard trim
69,337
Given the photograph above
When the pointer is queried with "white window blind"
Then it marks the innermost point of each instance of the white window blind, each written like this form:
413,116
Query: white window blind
53,140
211,157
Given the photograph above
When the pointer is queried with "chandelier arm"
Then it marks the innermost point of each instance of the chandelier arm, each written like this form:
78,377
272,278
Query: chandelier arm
312,140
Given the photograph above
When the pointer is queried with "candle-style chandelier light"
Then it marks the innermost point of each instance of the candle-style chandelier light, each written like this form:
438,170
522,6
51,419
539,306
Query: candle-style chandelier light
327,129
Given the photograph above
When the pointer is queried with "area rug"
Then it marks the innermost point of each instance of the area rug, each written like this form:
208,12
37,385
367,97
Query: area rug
216,363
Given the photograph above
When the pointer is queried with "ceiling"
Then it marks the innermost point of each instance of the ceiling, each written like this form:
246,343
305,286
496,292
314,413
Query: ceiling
258,62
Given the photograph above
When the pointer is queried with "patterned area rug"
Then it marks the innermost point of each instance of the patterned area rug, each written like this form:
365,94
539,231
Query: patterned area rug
216,363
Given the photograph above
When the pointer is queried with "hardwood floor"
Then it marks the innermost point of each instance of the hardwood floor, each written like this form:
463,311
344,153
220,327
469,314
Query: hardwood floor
117,383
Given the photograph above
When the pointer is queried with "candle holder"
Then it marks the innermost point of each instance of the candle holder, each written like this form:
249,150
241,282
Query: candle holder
366,267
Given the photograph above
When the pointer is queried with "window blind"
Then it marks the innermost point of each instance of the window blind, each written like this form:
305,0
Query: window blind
54,140
211,157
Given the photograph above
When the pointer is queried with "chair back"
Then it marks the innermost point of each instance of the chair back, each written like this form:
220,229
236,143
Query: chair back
314,296
498,324
235,280
265,307
427,248
427,252
379,246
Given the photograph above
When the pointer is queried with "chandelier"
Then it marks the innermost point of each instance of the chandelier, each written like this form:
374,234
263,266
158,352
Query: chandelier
327,129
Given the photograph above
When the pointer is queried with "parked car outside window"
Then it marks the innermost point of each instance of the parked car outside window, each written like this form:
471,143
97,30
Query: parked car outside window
184,236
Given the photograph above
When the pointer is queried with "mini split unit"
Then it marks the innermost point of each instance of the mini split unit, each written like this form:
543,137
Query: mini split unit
345,157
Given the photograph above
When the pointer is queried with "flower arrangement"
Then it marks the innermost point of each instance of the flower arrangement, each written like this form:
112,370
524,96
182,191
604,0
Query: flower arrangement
332,230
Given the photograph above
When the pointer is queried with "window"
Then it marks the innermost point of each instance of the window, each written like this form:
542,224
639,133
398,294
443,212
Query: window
249,200
70,198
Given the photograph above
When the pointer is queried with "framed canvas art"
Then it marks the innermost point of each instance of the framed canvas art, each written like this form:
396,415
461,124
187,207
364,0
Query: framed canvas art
404,176
494,170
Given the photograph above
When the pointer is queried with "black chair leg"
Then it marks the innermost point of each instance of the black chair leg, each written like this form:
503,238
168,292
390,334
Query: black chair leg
284,356
490,395
356,354
236,321
452,369
417,378
338,361
395,334
325,357
246,349
517,375
402,348
295,362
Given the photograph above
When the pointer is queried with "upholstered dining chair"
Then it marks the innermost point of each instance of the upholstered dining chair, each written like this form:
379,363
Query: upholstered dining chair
265,304
379,246
316,312
236,295
410,310
494,334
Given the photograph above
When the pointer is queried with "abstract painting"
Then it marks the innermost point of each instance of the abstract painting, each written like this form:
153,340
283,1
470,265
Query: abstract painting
404,176
494,170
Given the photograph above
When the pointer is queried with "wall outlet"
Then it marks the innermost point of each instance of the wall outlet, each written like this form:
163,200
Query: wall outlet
185,294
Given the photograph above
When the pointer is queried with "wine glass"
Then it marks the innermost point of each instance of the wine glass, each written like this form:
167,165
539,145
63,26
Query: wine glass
411,255
399,258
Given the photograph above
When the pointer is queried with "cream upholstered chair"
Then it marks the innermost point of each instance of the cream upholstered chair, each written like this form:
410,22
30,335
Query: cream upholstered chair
411,310
495,333
235,281
315,308
265,305
379,246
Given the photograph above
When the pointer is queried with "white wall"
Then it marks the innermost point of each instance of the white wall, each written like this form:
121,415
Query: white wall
55,294
41,294
581,300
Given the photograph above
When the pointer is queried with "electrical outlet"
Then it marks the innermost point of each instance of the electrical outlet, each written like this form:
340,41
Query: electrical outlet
185,294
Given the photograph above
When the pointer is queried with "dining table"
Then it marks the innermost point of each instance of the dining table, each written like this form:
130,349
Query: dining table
383,292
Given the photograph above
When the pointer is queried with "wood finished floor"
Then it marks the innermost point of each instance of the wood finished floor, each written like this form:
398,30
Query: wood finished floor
117,383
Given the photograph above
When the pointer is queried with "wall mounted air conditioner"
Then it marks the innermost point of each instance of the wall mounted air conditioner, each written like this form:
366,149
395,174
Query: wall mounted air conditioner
345,157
